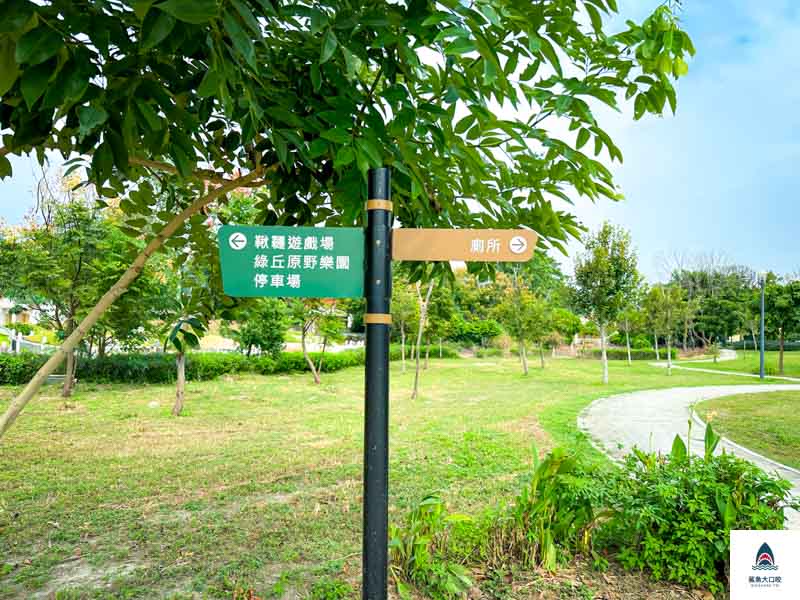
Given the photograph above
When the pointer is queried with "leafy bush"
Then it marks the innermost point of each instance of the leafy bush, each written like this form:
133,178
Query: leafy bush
157,368
673,514
330,589
417,549
19,369
637,341
489,353
22,328
770,346
551,517
636,354
475,333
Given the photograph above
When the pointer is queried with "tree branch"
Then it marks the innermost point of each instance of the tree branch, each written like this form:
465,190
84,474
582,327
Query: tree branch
119,288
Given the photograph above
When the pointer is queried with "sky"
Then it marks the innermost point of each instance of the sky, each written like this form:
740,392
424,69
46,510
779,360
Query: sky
720,177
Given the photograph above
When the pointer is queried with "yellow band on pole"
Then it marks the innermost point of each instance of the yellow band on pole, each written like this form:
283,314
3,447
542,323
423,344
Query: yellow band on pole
377,319
380,205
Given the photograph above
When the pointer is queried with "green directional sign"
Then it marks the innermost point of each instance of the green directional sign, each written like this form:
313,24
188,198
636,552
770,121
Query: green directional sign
300,262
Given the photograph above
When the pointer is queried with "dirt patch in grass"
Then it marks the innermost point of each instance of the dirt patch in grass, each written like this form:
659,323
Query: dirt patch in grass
80,574
530,428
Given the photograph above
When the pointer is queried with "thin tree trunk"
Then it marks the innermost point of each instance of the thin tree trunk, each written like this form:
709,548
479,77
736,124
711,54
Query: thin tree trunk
403,346
523,357
322,355
541,354
755,343
655,338
423,314
628,343
310,362
669,354
427,353
66,389
780,349
119,288
604,356
180,388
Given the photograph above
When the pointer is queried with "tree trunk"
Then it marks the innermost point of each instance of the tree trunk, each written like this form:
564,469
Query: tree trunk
66,390
604,356
403,347
628,344
423,315
755,343
523,357
310,362
119,288
180,388
655,339
249,350
427,353
780,351
541,354
669,354
322,354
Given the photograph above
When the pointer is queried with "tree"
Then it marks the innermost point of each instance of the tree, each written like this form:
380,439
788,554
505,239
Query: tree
440,314
782,311
631,318
330,327
314,315
670,306
605,277
306,99
262,325
653,316
528,319
423,302
404,309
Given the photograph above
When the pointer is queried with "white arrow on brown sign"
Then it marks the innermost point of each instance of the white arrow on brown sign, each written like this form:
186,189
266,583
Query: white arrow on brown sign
469,245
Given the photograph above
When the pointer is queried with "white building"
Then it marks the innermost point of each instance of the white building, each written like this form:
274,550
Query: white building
7,316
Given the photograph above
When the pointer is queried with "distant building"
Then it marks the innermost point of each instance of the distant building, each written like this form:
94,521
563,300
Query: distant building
9,315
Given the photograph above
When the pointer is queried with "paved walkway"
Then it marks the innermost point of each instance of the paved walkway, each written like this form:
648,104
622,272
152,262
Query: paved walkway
650,419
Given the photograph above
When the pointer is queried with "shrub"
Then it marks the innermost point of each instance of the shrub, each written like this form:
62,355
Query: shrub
417,552
636,354
770,346
637,341
19,369
475,333
158,368
489,353
673,514
22,328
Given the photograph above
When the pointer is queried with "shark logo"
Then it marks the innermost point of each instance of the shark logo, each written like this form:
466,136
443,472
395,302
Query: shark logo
765,559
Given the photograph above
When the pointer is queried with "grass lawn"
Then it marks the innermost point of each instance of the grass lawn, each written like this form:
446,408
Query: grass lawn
767,423
258,486
749,363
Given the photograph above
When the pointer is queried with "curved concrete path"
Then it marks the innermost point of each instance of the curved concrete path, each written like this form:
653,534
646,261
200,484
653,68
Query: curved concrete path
650,419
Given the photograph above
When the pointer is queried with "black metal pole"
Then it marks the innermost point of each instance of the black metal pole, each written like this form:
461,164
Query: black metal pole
378,291
763,278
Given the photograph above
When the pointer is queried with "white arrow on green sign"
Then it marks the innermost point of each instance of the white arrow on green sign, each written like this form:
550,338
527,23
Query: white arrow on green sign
300,262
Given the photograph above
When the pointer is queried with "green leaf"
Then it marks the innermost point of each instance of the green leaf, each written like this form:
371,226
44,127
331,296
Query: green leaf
118,149
34,82
583,137
465,123
594,15
5,167
9,71
102,163
678,452
156,27
210,84
460,46
316,77
679,67
241,41
639,106
329,44
182,162
344,157
38,45
196,12
247,16
90,118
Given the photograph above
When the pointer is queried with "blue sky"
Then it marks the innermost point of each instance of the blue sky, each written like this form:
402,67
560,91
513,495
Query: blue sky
722,176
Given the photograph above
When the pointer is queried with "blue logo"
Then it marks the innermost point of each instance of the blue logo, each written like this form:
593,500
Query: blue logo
765,559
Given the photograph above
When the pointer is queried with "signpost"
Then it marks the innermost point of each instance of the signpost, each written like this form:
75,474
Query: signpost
340,262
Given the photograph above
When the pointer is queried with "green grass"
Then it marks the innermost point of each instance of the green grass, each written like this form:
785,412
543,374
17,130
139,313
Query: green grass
258,486
768,423
749,363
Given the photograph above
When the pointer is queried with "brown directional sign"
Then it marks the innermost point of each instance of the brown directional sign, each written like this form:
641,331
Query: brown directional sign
469,245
